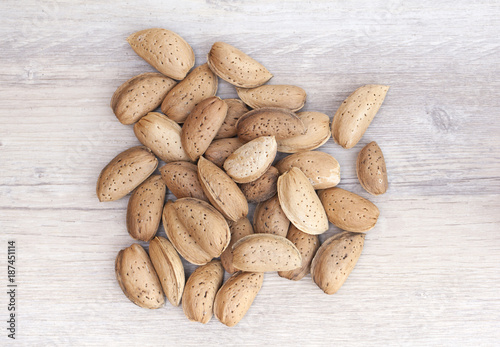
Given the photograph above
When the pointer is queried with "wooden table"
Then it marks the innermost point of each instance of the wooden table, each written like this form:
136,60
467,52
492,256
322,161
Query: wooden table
430,270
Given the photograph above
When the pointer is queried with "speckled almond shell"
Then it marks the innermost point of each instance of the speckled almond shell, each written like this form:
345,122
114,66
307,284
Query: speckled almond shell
199,293
165,50
162,136
235,109
239,229
200,84
235,67
182,180
168,266
197,230
307,245
269,121
145,207
265,252
300,202
322,170
335,260
236,296
371,170
262,188
137,277
292,98
125,172
356,113
201,126
140,95
269,218
251,160
219,150
317,133
349,211
222,191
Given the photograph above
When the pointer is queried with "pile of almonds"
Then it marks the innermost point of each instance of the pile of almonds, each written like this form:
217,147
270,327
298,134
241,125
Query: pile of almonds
220,160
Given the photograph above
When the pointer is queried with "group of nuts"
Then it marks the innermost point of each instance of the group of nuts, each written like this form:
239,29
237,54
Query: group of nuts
219,161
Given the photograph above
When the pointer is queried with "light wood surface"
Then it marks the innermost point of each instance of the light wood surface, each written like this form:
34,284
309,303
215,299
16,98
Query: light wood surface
430,270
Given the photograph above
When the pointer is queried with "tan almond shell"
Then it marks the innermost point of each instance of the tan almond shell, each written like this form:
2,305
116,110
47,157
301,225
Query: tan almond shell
317,133
164,50
252,160
197,230
356,113
168,266
125,173
137,277
200,290
269,121
349,211
269,218
200,84
235,67
263,188
235,297
235,109
300,202
322,170
335,260
307,245
222,191
283,96
145,207
239,229
182,180
265,252
219,150
371,170
162,136
139,95
201,126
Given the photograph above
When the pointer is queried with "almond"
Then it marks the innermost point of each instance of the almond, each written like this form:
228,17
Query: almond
251,160
162,136
197,230
199,293
236,296
137,277
371,170
235,109
145,207
200,84
269,121
262,188
239,229
300,202
140,95
164,50
349,211
168,266
269,218
219,150
125,172
283,96
201,126
307,245
322,170
222,191
265,252
235,67
317,133
182,180
356,113
335,260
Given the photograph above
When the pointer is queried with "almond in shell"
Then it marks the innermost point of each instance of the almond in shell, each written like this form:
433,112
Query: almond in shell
182,180
371,170
283,96
356,113
235,109
262,188
335,260
219,150
239,229
269,218
317,134
125,172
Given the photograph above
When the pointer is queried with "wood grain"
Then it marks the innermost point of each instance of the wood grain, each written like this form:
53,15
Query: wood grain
430,270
